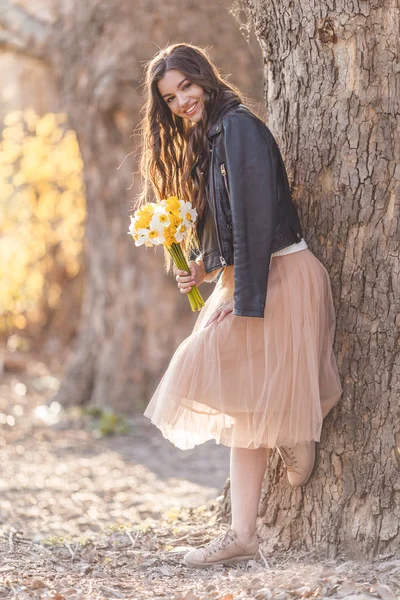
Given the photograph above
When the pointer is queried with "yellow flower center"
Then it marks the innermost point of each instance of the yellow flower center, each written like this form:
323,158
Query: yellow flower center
153,234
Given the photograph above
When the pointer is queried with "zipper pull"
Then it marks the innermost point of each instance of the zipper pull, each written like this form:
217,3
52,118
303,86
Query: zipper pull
223,261
223,171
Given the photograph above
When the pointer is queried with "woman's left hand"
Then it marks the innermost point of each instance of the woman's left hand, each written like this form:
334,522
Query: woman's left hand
220,313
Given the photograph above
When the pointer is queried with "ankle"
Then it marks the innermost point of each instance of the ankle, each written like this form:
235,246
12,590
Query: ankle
245,534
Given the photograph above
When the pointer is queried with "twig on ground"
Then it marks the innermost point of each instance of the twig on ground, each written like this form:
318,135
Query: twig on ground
72,552
184,537
11,539
111,591
43,547
128,533
19,540
266,565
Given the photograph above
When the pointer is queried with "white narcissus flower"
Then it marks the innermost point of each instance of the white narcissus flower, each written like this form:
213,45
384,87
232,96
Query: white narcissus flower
157,236
141,236
180,233
187,212
178,237
160,219
132,226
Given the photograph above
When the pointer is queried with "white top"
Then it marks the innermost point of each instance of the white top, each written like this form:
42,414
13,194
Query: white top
302,245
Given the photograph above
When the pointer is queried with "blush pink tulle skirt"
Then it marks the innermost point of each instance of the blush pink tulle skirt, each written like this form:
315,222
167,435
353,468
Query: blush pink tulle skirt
251,382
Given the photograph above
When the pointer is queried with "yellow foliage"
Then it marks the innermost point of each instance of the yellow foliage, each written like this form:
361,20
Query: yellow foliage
20,321
43,213
46,125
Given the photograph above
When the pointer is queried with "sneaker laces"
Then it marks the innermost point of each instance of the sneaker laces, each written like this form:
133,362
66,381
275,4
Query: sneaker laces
288,456
219,542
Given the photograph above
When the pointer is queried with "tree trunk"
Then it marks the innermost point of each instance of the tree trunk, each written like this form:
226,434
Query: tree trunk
133,316
332,91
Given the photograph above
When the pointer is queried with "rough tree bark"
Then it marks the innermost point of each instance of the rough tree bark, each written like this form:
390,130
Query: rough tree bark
97,50
332,92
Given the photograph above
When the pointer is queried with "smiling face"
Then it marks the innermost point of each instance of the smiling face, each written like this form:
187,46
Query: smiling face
184,98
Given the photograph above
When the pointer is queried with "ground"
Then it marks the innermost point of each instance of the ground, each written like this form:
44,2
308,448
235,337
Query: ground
84,515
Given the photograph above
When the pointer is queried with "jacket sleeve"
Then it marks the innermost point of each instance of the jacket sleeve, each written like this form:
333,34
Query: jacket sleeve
251,172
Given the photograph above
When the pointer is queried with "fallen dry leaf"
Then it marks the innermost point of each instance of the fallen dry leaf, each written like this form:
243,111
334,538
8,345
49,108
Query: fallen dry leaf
37,584
384,591
189,596
165,570
346,589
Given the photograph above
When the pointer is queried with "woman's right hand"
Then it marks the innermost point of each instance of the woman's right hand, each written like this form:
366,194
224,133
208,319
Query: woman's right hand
185,280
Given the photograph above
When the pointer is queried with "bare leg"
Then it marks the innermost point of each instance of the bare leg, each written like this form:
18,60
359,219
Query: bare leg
247,473
247,469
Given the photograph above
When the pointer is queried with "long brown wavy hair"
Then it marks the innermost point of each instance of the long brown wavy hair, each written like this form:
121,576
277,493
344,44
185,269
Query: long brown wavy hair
175,156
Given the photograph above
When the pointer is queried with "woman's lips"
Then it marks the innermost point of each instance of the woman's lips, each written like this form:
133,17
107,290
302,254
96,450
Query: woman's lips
191,112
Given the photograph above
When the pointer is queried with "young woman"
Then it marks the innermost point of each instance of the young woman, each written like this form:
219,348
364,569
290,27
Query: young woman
258,370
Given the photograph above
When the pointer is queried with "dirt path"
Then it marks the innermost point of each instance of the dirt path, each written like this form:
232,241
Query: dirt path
84,517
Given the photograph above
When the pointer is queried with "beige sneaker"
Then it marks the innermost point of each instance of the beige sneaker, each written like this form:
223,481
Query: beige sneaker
226,549
299,460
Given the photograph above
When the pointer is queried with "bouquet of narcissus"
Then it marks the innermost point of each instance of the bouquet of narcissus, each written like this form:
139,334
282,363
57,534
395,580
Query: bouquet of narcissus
167,222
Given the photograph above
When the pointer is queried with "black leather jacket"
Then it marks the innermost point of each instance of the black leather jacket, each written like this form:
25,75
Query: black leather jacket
250,211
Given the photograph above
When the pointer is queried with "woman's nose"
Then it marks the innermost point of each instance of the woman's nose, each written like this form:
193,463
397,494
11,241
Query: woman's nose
183,102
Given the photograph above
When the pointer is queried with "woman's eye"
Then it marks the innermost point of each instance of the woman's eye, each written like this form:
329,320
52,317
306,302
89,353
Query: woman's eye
184,87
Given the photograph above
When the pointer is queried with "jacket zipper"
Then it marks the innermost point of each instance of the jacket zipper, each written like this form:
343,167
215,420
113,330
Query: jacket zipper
223,172
221,258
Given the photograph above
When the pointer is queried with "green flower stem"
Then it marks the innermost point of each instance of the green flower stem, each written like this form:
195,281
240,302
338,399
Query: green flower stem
195,299
177,258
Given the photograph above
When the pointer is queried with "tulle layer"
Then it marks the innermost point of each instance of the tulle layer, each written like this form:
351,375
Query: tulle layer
251,382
